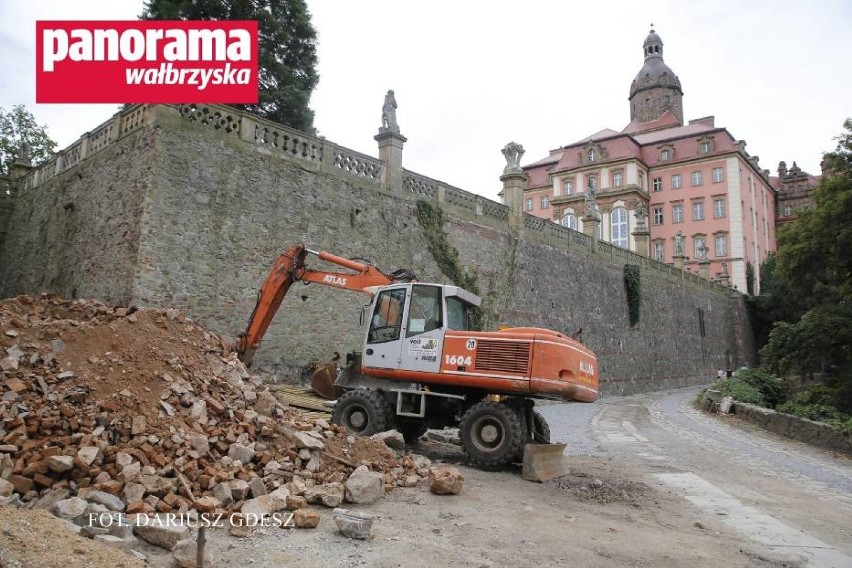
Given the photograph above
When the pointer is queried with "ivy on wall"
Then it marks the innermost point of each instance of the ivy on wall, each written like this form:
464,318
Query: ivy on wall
632,285
431,219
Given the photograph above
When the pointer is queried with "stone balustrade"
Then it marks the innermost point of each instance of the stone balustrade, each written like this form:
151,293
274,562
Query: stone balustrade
319,154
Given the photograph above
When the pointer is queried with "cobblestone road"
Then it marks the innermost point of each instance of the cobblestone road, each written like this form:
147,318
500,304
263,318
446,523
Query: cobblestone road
792,497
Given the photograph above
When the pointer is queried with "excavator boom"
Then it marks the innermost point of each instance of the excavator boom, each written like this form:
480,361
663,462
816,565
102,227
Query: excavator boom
290,267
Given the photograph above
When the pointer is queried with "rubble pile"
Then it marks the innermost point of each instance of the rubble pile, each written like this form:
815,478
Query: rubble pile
143,411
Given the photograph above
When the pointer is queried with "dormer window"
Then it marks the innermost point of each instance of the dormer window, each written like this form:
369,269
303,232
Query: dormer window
591,154
705,145
665,155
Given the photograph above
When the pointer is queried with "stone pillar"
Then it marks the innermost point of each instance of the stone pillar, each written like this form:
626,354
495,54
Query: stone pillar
514,179
678,261
724,277
642,236
704,268
390,145
591,224
390,152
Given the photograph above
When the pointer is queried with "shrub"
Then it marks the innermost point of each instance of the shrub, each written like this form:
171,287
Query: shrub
818,404
740,390
773,389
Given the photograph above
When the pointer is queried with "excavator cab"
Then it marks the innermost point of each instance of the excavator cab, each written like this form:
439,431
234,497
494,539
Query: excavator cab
408,322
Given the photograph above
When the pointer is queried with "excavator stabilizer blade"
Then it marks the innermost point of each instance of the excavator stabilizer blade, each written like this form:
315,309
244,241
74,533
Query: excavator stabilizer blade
543,462
322,382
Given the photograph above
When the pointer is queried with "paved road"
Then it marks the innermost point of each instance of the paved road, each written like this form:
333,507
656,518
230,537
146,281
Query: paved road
791,497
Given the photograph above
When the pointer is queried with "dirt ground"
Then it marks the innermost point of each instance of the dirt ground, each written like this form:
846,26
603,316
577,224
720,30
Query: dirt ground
608,511
604,513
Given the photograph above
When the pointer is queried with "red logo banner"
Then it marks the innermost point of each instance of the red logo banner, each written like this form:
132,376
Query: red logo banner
146,61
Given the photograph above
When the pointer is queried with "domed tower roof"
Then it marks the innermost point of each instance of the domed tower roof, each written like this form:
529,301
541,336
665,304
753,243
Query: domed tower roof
657,77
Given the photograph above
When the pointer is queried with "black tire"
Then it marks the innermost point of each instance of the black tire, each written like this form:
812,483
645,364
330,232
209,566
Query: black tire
492,434
363,412
411,430
541,430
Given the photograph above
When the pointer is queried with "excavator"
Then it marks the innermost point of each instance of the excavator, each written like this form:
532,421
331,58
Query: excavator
422,366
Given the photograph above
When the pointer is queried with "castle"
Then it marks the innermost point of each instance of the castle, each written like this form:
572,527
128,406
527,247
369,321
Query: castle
706,200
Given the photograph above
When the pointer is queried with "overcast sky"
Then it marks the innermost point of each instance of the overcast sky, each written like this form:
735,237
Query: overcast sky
470,76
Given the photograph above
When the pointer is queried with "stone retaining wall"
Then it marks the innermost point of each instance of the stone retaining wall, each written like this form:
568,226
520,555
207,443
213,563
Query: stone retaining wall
802,429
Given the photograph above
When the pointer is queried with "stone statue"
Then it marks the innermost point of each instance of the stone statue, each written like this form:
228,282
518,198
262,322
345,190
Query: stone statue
641,215
702,251
513,153
389,113
592,204
24,154
678,244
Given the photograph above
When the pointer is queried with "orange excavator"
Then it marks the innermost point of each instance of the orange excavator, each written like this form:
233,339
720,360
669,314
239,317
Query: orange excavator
422,366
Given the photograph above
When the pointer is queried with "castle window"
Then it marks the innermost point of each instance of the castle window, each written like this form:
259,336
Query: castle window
568,186
570,221
528,204
591,154
698,242
718,175
698,210
677,213
658,184
718,208
677,181
665,155
619,227
544,202
697,178
658,215
660,251
593,182
617,178
788,210
705,147
721,245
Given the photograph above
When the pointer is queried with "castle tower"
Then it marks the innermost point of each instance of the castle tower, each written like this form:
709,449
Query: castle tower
656,89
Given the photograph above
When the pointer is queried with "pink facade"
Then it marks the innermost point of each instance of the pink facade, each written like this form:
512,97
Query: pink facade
695,180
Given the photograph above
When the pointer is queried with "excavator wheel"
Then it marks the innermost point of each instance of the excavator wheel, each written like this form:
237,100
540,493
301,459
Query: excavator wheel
363,412
541,433
492,434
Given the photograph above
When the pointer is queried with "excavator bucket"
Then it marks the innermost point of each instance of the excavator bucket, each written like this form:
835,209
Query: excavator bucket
543,462
322,381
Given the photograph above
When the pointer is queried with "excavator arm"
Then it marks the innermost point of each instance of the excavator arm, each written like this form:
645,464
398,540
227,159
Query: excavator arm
290,267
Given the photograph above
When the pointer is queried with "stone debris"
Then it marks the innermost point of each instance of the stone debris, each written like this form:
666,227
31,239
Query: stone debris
445,481
99,414
353,524
393,439
162,534
185,554
364,486
306,518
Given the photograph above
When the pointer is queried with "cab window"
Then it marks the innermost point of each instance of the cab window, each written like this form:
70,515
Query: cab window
387,316
458,314
424,312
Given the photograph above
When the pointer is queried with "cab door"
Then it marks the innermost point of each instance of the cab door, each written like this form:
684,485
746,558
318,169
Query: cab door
424,329
385,332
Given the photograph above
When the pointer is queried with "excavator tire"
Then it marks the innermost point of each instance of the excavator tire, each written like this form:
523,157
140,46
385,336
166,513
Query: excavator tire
541,433
492,434
363,412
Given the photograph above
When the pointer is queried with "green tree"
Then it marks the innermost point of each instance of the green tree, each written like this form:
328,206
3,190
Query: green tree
287,50
16,127
811,291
